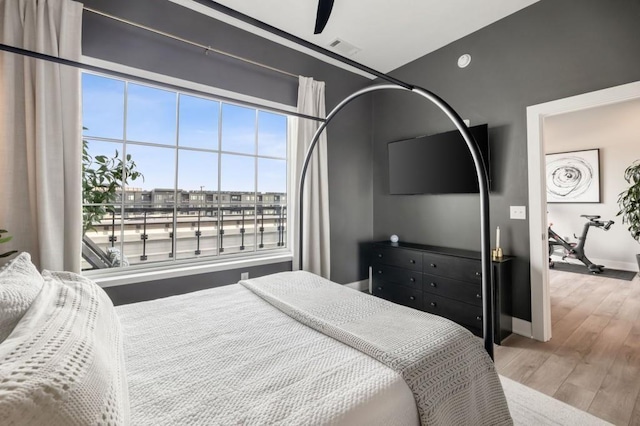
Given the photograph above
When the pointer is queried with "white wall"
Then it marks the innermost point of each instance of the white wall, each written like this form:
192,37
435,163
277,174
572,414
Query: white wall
615,130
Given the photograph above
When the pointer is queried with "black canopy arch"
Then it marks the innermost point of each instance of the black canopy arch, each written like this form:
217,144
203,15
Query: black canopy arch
483,183
481,172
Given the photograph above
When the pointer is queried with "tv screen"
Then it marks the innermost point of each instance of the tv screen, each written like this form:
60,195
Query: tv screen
436,164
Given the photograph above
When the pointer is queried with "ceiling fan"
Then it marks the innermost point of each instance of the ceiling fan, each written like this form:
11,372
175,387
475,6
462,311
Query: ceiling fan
322,17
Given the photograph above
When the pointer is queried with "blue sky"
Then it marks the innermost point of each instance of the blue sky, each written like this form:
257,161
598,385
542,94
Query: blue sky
151,117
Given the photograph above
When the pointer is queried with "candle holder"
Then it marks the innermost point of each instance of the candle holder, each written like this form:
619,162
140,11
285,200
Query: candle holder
497,254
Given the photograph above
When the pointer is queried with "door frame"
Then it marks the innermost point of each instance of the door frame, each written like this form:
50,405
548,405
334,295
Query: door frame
538,236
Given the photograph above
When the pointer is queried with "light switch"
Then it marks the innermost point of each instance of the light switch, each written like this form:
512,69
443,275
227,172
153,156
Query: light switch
518,212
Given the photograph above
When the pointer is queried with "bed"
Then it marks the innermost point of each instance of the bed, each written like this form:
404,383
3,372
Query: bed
288,348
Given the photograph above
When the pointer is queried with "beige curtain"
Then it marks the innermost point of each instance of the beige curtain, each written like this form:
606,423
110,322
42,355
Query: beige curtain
40,132
316,232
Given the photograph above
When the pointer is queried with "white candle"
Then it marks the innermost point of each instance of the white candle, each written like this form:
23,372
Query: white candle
497,237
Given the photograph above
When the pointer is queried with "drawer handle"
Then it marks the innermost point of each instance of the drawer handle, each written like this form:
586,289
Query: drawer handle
412,261
412,298
433,265
479,318
413,280
379,288
380,255
379,272
434,304
433,285
478,274
478,296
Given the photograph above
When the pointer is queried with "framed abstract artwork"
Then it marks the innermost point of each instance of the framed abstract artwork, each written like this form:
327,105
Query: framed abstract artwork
573,177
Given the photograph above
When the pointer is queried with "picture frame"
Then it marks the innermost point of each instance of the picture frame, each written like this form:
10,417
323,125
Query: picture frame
573,176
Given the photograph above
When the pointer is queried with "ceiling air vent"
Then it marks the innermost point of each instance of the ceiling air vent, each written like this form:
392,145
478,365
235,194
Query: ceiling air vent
343,47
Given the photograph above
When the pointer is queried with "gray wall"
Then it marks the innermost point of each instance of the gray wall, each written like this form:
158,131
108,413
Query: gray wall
131,293
349,150
550,50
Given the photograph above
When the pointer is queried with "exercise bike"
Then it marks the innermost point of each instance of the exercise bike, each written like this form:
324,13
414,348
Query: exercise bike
576,250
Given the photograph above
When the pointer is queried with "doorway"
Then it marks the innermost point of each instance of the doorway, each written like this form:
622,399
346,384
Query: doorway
536,115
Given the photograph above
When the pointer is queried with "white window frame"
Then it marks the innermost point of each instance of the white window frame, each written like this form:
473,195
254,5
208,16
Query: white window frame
206,264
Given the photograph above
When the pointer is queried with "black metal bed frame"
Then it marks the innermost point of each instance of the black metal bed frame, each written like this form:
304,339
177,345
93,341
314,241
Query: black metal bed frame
483,181
395,84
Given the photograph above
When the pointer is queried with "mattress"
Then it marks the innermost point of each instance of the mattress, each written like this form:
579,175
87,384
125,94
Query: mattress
225,356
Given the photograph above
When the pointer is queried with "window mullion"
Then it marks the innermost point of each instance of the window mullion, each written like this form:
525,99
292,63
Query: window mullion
124,158
176,199
220,118
255,185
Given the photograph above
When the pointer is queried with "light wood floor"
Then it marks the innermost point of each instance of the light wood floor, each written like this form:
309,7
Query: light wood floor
593,359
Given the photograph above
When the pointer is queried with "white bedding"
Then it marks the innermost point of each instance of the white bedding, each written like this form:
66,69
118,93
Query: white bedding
224,356
289,348
453,380
62,365
294,348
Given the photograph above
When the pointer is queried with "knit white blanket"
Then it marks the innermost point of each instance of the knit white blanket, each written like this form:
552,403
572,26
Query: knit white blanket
62,365
224,356
451,376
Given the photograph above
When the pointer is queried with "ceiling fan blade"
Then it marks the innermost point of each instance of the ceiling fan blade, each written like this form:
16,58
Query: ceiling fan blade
324,11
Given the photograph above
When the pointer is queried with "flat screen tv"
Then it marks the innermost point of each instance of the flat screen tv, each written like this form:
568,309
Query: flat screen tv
436,164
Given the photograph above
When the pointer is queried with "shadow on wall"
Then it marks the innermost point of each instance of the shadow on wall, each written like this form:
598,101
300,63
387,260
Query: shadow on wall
364,257
498,145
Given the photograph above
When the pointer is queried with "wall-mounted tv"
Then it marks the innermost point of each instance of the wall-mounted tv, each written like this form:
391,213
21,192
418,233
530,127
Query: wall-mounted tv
436,164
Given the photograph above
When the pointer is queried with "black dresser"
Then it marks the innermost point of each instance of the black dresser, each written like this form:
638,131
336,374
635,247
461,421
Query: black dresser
442,281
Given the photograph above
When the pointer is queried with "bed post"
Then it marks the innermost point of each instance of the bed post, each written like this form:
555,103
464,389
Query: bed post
483,183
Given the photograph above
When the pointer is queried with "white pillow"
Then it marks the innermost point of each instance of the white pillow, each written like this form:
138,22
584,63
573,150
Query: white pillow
63,364
20,283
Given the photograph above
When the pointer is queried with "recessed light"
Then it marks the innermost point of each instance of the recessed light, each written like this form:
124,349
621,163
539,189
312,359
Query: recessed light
464,60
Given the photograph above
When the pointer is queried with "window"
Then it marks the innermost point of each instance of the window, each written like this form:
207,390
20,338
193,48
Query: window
184,176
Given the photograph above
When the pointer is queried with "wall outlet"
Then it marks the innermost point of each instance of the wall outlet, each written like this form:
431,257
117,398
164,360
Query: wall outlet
244,275
518,212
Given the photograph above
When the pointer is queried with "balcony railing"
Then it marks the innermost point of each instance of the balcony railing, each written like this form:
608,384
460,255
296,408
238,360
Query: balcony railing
136,235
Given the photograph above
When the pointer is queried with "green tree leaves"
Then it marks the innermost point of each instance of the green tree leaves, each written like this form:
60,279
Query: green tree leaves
102,178
629,200
5,240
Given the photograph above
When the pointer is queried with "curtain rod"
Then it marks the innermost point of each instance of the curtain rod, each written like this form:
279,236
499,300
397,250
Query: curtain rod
206,49
127,76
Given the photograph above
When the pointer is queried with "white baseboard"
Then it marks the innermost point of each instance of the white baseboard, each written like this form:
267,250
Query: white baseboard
521,327
359,285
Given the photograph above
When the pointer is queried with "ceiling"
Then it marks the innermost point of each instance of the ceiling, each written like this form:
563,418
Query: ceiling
388,33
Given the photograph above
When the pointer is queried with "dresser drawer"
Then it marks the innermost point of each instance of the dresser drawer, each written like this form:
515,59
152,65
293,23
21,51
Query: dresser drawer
418,275
399,257
453,289
458,268
462,313
385,273
399,294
